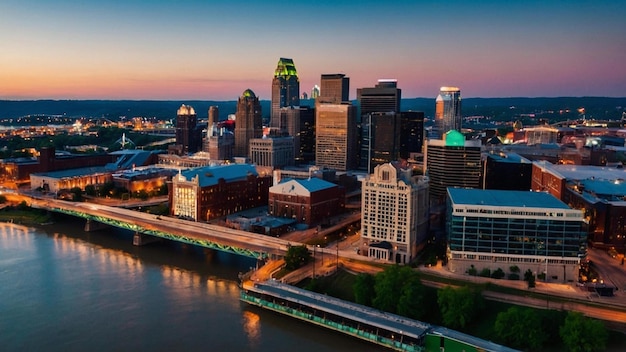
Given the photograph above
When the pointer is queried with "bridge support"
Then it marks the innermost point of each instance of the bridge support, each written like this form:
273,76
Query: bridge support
140,239
92,225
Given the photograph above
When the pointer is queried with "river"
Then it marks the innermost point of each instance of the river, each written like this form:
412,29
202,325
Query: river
63,289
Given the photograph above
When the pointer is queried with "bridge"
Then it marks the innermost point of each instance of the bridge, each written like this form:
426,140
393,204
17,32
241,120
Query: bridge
190,232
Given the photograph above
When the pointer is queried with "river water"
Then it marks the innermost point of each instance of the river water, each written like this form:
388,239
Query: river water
62,289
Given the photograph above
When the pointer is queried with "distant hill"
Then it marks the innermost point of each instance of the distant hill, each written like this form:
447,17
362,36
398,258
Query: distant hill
496,108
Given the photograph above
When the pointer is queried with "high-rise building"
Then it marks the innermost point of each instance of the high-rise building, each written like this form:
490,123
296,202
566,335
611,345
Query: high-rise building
335,88
335,141
384,97
248,123
379,140
188,137
219,143
411,134
214,115
315,92
272,151
306,137
452,162
394,213
447,111
285,87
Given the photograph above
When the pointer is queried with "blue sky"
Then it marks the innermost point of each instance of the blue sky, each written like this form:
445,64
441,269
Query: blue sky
214,50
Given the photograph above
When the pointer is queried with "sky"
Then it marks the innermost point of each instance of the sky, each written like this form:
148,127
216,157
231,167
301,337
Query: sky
215,50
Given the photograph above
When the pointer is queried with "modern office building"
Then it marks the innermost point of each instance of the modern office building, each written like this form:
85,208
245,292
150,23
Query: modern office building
209,192
379,135
394,213
335,88
506,171
452,162
214,115
496,229
447,111
288,124
273,151
219,143
411,134
285,87
188,136
305,153
248,122
384,97
308,201
335,142
380,139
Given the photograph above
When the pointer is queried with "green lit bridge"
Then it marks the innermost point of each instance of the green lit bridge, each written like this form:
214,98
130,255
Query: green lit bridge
195,233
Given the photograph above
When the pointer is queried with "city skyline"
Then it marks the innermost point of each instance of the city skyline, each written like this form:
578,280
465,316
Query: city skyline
196,50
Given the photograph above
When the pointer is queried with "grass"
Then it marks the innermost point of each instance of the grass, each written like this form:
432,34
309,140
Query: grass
27,216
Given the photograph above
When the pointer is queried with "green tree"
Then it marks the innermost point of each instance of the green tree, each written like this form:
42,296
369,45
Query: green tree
3,199
389,283
296,257
582,334
363,287
459,306
498,274
90,190
77,194
411,301
520,327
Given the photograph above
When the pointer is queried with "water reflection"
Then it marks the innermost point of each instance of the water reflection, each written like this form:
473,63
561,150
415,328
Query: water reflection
252,328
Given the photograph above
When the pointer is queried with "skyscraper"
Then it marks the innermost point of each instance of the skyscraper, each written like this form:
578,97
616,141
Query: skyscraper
188,137
447,111
384,97
379,139
285,87
335,141
335,88
411,133
248,122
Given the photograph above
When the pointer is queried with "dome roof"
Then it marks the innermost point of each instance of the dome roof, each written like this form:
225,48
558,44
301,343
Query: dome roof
454,138
248,93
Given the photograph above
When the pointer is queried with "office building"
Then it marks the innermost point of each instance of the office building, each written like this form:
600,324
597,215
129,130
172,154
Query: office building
214,115
452,162
335,142
188,136
285,87
394,213
219,143
411,134
273,151
248,122
305,152
383,97
496,229
380,139
506,171
447,111
335,88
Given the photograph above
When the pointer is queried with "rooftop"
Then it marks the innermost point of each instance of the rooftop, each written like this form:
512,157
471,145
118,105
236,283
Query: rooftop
500,198
74,172
210,175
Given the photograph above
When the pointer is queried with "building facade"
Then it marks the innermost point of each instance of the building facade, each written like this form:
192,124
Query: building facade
335,88
335,142
210,192
452,162
495,229
275,152
394,214
411,134
188,137
383,97
285,87
447,111
248,124
308,201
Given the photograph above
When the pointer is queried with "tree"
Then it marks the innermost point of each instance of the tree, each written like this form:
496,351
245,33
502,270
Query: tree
3,199
411,301
388,284
498,274
459,306
486,272
364,289
520,327
582,334
90,190
296,257
77,194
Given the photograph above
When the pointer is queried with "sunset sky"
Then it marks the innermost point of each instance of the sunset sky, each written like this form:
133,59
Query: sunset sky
214,50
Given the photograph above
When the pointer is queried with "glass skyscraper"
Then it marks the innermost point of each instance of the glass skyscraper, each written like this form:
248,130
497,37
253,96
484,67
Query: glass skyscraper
447,111
285,88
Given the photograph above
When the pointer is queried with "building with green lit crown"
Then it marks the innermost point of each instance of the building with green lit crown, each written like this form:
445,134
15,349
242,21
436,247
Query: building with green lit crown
452,162
501,229
285,87
248,123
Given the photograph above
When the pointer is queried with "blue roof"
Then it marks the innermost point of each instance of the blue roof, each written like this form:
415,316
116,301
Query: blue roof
210,175
502,198
74,172
312,184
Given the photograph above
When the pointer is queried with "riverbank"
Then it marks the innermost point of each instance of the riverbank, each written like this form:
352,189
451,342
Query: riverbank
25,216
